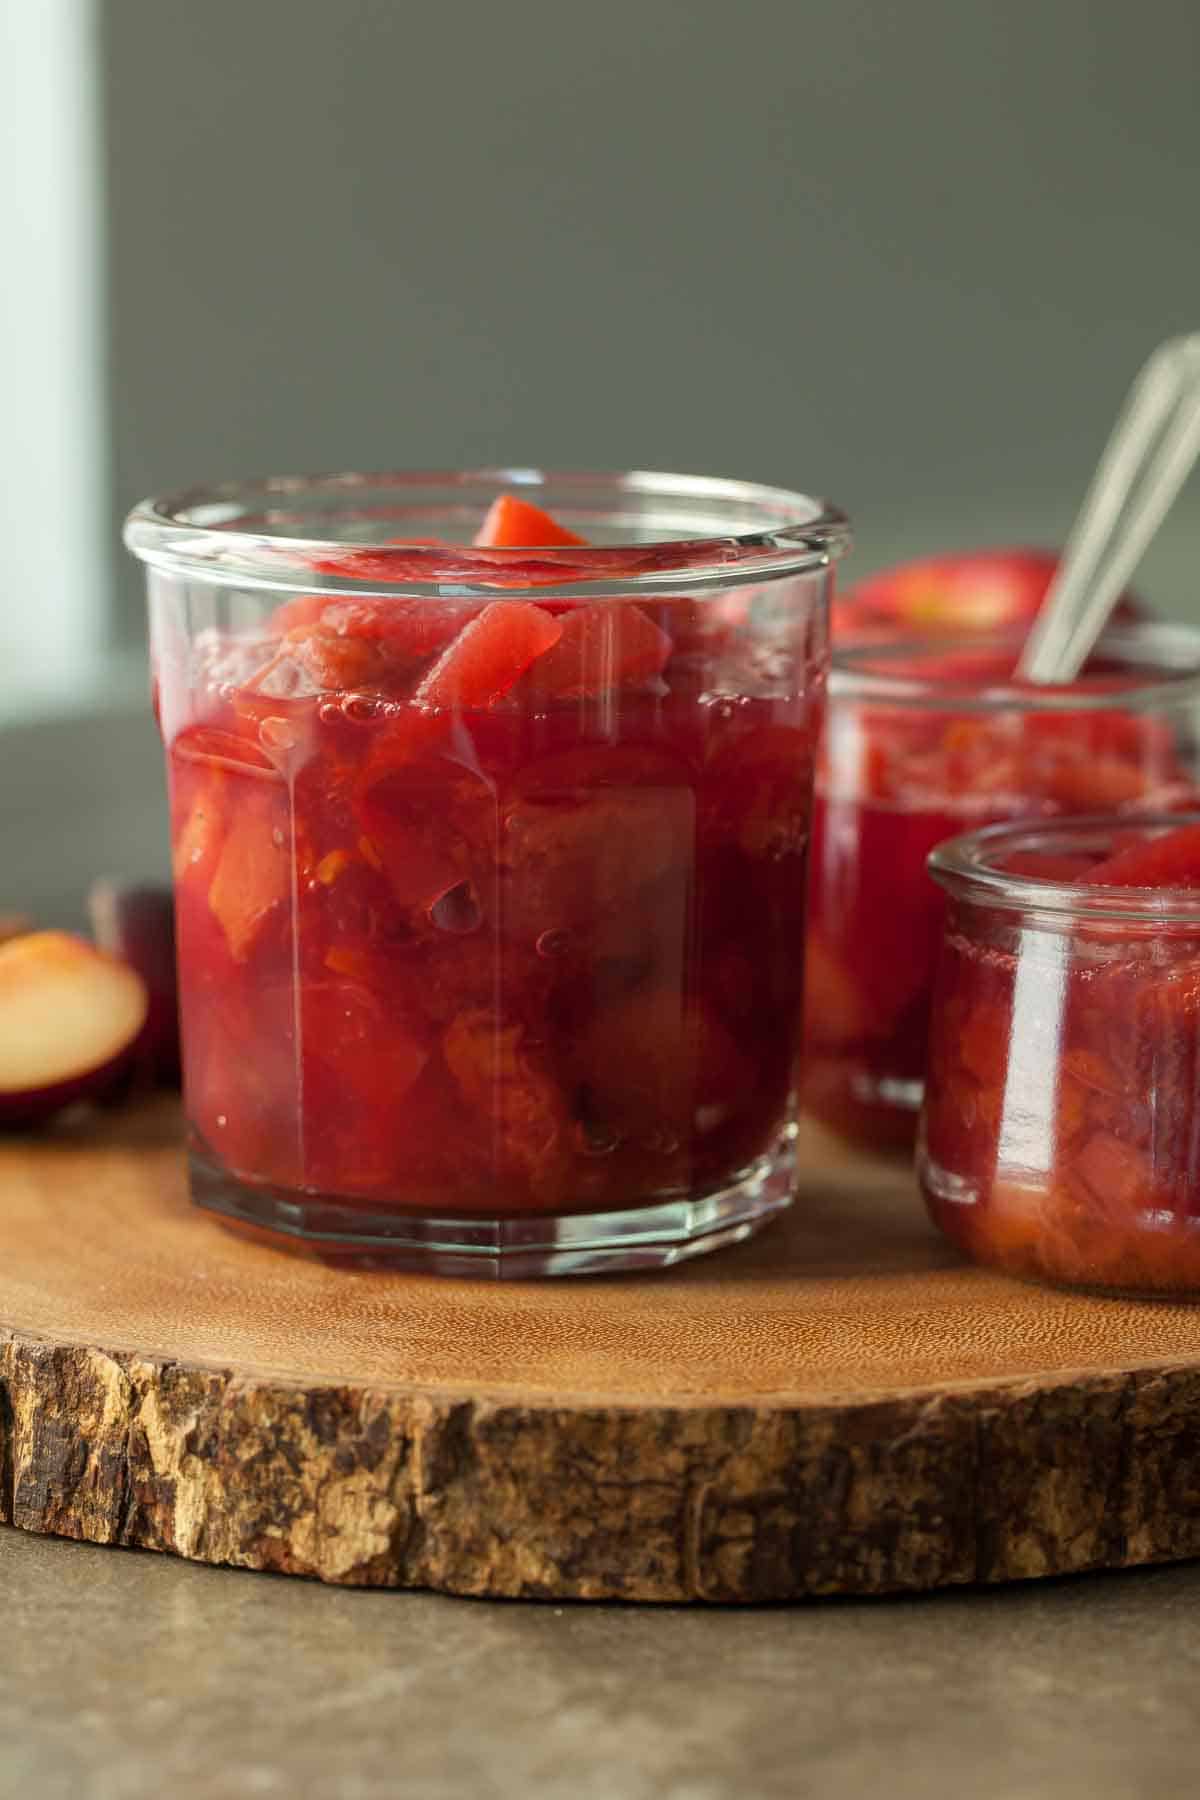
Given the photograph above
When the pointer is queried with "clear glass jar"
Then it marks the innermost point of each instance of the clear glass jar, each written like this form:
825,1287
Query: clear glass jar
1060,1136
490,863
924,741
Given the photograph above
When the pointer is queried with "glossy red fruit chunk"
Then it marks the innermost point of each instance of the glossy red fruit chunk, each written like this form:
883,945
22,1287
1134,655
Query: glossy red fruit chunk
70,1017
610,645
489,656
500,1081
654,1065
515,524
252,879
384,562
1046,866
428,824
588,843
359,1062
1169,861
372,643
241,1074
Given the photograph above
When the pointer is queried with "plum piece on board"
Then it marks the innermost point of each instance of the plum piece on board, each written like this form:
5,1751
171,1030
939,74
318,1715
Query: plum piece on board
70,1018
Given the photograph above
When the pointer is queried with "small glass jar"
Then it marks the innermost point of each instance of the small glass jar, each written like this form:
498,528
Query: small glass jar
924,741
1060,1136
490,862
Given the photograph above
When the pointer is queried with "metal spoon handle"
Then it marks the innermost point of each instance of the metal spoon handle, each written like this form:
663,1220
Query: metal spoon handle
1146,461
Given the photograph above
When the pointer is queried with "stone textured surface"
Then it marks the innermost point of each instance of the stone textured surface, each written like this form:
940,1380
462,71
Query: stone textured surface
126,1677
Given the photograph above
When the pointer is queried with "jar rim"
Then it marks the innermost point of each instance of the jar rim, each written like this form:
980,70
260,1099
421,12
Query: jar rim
230,534
1169,652
966,867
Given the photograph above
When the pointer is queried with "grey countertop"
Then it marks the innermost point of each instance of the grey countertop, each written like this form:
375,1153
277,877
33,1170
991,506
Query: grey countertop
125,1676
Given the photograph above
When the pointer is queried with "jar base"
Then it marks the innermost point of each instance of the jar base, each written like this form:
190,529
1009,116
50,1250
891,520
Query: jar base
516,1248
959,1210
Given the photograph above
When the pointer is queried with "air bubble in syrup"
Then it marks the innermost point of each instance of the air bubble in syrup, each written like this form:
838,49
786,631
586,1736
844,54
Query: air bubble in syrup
594,1138
553,943
360,708
277,734
457,910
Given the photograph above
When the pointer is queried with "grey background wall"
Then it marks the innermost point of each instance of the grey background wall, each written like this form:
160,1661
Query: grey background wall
906,251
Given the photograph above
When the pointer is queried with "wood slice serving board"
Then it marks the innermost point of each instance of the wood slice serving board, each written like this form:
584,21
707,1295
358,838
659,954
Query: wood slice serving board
840,1406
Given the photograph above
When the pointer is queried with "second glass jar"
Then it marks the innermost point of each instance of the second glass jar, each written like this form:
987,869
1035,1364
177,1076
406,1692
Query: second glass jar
1060,1136
924,741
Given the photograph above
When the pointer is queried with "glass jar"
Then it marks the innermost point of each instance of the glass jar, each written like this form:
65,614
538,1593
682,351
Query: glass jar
922,742
490,863
1060,1136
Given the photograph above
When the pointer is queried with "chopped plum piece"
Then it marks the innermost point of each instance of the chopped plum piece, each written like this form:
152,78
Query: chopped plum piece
488,656
252,878
601,647
515,524
428,826
365,644
654,1066
501,1082
383,562
1169,861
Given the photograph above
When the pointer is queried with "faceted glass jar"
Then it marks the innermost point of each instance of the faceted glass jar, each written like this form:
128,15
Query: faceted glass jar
923,742
490,864
1060,1136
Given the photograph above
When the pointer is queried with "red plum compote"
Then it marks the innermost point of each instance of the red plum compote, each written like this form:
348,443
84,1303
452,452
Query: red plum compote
490,865
924,742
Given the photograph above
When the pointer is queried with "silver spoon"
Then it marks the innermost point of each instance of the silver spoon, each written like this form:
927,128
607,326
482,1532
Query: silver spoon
1146,461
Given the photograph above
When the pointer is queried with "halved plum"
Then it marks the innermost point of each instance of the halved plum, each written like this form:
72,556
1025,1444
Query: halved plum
70,1018
973,590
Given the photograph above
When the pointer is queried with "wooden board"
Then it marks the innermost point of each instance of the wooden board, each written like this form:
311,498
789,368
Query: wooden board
840,1406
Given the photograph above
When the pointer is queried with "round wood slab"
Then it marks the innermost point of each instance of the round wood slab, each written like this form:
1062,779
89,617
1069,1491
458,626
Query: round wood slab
840,1406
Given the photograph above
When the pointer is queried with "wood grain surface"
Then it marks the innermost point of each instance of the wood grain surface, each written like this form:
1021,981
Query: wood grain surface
839,1406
